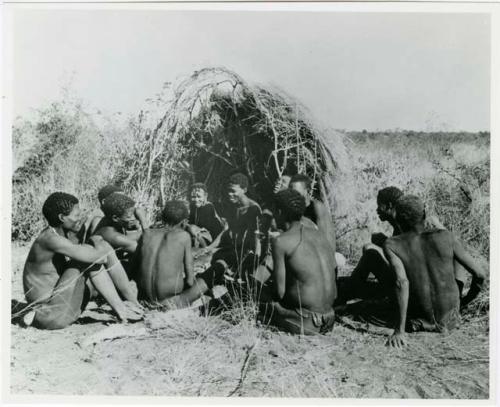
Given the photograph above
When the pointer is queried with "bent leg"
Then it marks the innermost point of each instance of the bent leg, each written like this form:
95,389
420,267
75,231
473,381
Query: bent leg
372,261
120,278
204,282
104,284
67,302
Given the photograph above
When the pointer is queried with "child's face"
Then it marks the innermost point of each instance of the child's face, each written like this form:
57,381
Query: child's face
74,220
235,193
128,220
198,197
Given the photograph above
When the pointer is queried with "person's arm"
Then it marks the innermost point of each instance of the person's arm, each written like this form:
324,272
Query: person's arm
402,293
119,240
140,215
188,260
325,223
478,275
279,270
84,253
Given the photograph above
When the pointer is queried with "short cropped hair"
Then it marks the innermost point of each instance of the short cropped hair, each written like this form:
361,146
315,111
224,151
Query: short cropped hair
107,190
58,203
291,203
410,211
304,179
174,212
198,185
239,179
116,204
389,195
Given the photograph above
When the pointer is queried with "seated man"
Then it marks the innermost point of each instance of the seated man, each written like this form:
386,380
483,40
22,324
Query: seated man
96,221
428,297
163,263
205,225
373,259
240,245
303,277
58,272
118,227
316,211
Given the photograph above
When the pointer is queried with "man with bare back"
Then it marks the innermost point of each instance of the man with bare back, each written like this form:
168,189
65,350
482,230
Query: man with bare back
163,263
303,277
60,275
315,210
422,262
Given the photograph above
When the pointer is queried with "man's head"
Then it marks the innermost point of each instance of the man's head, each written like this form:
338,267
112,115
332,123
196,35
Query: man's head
106,191
386,202
282,183
290,205
61,209
198,194
120,209
174,213
237,188
302,184
410,212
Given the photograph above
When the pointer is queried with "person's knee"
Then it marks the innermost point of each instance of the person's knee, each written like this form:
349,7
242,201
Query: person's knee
53,321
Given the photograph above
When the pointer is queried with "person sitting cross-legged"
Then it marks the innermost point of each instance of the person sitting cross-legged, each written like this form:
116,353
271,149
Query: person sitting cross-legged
163,263
422,273
303,277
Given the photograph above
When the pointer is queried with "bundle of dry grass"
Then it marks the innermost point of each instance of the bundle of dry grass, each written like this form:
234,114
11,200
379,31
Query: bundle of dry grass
217,124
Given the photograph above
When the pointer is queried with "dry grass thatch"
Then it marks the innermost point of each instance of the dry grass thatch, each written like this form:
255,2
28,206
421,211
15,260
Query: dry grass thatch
221,125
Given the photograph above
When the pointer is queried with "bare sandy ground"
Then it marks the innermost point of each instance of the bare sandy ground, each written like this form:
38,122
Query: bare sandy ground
183,353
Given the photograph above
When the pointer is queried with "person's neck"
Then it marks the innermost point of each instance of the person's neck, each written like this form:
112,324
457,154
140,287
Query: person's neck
59,230
294,224
243,201
418,228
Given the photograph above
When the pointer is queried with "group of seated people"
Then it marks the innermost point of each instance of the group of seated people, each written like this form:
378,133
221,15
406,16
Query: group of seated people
286,254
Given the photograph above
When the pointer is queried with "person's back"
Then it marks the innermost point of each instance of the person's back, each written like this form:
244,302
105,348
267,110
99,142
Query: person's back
303,275
310,280
161,256
428,259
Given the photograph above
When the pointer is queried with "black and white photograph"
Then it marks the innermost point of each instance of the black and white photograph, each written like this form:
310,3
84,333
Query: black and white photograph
273,201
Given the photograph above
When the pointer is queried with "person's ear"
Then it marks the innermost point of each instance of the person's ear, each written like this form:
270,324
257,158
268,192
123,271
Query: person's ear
61,217
115,218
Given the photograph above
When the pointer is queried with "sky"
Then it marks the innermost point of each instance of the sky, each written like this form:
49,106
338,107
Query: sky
354,71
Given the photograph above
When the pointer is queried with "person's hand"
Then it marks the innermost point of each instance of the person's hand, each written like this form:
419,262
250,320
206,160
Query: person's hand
397,340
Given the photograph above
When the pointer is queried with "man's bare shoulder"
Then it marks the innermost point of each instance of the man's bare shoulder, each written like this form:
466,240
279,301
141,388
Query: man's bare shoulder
106,231
441,235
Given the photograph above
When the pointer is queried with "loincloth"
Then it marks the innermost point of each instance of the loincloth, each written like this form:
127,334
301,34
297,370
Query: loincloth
297,321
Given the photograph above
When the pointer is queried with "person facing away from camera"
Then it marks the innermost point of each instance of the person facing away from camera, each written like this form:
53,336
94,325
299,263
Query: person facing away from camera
315,210
99,221
303,277
205,225
61,275
422,265
373,259
163,263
